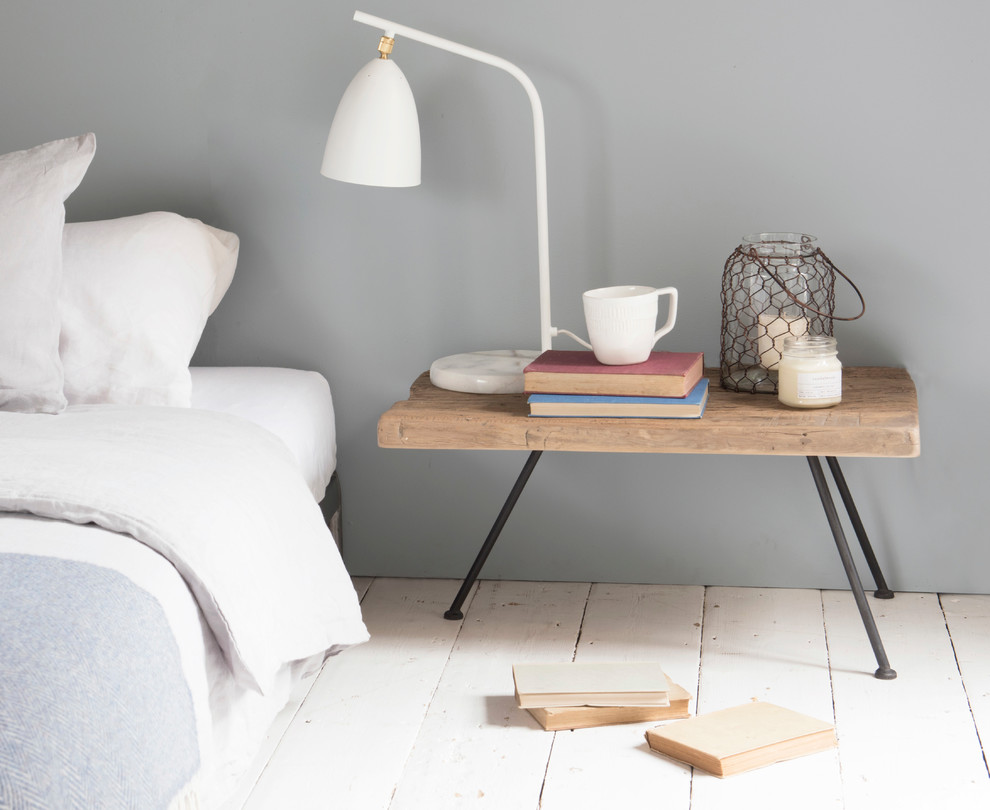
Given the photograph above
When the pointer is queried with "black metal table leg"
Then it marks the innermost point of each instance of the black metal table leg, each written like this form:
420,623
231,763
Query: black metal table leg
884,671
454,613
882,591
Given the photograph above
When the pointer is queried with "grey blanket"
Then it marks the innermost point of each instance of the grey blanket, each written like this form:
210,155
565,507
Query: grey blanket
94,709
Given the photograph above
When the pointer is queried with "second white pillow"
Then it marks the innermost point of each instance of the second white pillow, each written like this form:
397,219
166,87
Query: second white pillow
136,294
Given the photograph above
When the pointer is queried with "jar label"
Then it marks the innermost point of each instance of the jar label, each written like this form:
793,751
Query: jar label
819,385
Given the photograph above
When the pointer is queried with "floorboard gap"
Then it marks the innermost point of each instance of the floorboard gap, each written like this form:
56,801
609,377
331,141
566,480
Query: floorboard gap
584,615
962,680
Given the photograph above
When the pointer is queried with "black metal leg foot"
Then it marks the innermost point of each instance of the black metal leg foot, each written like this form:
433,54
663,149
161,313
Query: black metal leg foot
884,671
882,591
454,613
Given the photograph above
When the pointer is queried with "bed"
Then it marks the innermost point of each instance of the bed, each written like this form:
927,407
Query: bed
167,577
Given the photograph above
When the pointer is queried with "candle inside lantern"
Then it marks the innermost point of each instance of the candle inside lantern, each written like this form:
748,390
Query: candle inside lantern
773,328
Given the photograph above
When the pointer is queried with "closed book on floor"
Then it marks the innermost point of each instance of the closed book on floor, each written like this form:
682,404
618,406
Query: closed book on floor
590,684
570,717
742,738
690,407
663,374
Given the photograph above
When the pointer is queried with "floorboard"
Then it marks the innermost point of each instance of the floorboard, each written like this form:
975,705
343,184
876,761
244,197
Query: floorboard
353,735
423,716
476,746
768,645
910,742
613,766
968,620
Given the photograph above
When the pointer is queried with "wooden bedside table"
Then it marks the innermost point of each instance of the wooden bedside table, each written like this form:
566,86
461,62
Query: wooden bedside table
877,418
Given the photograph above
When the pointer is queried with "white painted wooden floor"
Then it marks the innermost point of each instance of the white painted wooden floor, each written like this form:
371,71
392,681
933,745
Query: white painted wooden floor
423,716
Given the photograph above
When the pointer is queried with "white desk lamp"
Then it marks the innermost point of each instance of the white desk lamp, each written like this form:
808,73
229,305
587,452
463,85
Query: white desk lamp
374,140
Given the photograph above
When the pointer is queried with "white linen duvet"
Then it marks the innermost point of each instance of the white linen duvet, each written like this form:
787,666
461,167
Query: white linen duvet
230,542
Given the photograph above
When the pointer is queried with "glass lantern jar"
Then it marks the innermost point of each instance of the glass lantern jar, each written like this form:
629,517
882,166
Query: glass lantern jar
774,286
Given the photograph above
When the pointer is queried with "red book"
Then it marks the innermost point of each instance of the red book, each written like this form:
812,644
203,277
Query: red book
663,374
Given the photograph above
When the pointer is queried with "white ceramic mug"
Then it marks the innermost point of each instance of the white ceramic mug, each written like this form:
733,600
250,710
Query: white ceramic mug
622,322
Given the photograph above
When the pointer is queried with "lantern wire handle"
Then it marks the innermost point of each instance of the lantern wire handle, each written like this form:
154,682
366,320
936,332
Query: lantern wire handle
752,253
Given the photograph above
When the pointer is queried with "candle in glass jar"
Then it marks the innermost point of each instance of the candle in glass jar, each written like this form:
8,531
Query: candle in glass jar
773,328
809,374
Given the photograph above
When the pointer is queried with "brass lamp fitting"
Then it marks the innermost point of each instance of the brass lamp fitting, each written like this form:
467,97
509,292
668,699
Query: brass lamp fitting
385,47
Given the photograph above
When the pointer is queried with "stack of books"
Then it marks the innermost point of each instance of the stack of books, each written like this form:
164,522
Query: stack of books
574,383
583,695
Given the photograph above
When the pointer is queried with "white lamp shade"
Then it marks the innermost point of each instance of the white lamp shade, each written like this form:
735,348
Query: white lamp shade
374,137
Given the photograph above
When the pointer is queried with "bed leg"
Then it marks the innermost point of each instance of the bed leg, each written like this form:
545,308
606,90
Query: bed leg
333,507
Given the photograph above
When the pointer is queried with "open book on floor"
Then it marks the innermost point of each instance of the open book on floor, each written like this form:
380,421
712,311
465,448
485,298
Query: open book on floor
742,738
560,718
636,683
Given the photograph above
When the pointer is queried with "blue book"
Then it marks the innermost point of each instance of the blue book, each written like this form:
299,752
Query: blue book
690,407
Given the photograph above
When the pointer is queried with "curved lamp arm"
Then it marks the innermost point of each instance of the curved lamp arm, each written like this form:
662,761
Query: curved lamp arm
391,29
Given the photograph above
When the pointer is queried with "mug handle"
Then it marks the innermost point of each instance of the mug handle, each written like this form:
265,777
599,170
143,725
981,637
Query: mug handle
671,313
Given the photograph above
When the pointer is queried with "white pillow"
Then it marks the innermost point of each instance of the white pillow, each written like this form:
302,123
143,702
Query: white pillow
136,293
34,184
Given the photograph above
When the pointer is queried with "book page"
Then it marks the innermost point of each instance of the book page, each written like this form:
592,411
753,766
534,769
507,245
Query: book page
589,678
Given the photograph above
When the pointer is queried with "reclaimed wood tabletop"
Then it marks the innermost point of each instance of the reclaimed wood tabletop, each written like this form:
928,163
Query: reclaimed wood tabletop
877,417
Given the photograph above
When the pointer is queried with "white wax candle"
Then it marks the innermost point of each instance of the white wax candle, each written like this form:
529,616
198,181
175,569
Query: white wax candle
809,374
772,329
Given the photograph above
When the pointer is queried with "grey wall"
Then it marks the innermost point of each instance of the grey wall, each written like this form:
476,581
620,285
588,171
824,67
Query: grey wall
674,128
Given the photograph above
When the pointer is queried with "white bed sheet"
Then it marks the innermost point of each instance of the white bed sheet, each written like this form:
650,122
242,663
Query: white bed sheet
294,405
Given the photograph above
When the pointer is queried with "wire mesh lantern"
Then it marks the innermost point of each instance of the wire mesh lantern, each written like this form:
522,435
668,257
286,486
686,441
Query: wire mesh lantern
774,286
